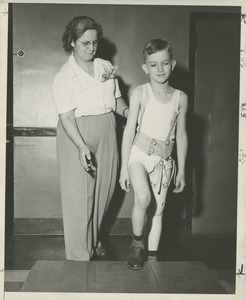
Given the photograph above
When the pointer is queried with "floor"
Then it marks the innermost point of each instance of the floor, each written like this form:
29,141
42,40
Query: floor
218,254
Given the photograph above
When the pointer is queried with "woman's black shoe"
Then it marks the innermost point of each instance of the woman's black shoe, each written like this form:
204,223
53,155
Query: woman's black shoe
101,252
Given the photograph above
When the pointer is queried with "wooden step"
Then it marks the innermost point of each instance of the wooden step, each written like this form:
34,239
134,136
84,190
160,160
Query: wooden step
114,277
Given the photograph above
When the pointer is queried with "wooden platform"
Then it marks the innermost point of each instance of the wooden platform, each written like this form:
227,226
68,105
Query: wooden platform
114,277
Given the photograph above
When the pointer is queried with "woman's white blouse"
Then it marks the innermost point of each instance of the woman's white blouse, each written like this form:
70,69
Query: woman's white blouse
73,88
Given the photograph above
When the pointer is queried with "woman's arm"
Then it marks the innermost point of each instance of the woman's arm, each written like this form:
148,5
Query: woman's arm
182,143
70,126
128,137
121,107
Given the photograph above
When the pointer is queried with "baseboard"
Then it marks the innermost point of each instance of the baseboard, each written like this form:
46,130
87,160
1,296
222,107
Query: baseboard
38,226
110,226
54,226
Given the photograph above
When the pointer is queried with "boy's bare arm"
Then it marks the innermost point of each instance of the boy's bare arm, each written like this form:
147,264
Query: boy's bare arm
128,136
130,129
182,143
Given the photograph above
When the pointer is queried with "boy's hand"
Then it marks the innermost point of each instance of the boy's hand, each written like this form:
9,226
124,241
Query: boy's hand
179,183
124,180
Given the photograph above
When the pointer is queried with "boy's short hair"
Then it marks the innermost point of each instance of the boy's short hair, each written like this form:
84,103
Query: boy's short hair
157,45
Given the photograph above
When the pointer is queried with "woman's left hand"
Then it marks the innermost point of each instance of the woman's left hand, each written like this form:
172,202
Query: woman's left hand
179,183
126,112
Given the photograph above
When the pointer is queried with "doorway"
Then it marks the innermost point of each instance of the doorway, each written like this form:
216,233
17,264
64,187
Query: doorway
215,64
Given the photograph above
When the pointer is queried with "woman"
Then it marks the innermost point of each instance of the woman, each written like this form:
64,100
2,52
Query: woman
86,94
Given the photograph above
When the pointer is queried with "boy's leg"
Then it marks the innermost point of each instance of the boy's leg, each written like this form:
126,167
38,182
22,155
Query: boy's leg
142,197
156,222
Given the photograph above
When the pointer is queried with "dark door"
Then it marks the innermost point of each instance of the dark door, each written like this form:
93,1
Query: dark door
215,61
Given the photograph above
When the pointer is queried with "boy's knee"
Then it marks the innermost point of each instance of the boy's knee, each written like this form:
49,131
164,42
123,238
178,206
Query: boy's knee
160,206
142,198
158,214
159,211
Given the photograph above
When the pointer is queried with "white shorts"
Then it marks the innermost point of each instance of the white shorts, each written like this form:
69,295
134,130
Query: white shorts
150,162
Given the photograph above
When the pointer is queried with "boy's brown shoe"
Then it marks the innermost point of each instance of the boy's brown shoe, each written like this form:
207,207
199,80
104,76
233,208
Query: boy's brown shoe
136,258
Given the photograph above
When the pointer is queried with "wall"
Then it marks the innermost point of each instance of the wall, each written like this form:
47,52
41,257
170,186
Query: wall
38,29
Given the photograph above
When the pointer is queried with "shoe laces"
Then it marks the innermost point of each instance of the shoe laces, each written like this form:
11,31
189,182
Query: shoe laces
136,249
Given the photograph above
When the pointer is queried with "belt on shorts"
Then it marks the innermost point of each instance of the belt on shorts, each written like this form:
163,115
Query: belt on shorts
156,147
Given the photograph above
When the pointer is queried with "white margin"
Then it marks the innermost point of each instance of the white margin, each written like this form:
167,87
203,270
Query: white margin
139,2
241,197
3,96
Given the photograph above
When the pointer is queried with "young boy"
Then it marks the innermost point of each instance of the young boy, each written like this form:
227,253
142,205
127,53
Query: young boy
160,112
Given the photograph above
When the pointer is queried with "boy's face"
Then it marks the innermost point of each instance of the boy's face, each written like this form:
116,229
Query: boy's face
159,66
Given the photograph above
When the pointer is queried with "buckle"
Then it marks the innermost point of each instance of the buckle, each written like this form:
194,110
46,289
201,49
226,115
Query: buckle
154,142
151,150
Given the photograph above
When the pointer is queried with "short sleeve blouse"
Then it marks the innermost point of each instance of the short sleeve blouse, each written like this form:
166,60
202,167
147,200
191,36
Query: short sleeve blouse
73,88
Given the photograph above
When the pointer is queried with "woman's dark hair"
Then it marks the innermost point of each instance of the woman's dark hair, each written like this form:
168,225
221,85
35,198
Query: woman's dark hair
76,28
157,45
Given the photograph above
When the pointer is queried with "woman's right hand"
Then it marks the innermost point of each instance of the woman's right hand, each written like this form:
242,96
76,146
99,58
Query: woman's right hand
124,180
85,157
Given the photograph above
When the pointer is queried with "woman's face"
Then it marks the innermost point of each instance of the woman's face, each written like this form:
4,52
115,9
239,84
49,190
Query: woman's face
86,46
